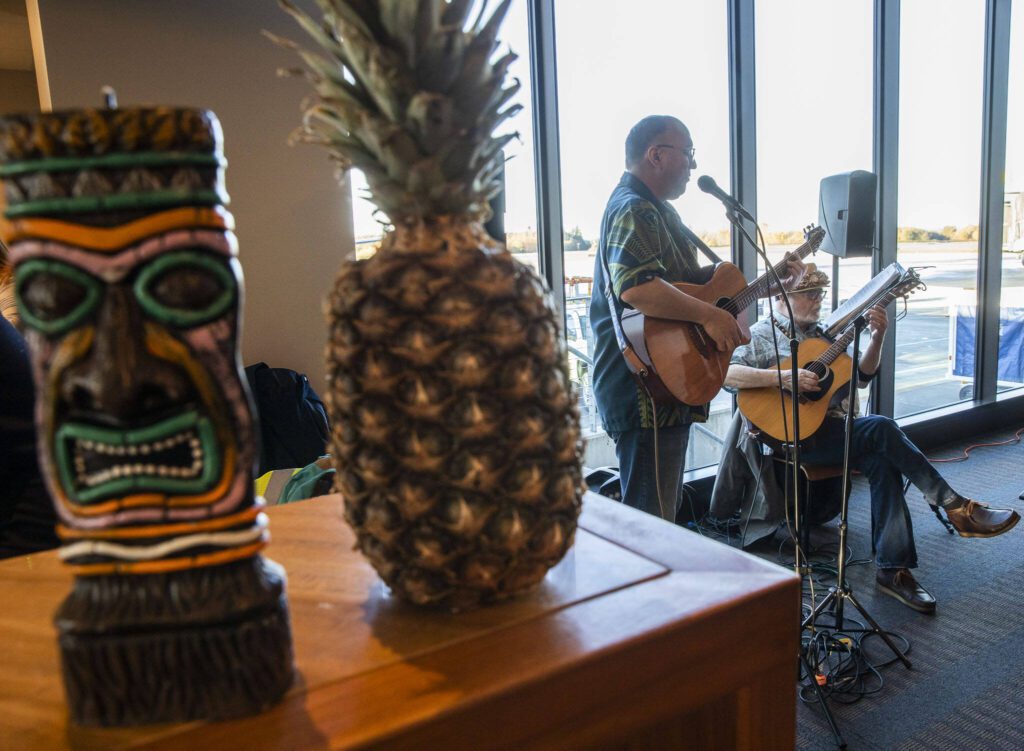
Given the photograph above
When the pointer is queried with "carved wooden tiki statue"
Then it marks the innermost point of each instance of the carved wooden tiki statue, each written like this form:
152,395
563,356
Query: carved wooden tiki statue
129,288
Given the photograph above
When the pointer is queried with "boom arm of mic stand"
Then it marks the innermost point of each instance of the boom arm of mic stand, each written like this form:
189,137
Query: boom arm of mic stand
794,347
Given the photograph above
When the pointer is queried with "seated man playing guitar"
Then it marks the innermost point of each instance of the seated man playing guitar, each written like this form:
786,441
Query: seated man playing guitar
879,448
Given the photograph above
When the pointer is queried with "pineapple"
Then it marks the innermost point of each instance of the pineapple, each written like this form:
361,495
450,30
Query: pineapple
455,428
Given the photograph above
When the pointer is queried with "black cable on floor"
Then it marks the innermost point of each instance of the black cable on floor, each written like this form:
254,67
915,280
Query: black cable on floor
841,665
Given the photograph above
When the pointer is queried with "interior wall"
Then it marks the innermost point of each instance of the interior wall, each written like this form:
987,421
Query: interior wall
294,222
18,91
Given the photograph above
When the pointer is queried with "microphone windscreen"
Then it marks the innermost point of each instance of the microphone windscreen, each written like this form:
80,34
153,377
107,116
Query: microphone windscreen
707,183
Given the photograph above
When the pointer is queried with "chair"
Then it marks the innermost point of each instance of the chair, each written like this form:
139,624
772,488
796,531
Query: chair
822,486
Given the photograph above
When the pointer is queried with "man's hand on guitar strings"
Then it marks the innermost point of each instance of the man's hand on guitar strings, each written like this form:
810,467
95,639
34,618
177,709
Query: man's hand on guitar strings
807,380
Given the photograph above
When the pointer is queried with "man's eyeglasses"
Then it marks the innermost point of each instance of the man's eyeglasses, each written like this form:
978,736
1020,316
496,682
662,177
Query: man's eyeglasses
689,152
811,294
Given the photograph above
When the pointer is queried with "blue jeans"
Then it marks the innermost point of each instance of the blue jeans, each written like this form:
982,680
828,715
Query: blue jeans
637,471
884,455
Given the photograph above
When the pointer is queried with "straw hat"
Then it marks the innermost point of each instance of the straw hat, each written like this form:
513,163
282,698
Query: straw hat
815,278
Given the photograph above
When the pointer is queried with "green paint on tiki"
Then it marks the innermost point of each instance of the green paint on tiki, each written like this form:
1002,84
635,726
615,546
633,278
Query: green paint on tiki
118,202
43,271
117,160
177,456
185,316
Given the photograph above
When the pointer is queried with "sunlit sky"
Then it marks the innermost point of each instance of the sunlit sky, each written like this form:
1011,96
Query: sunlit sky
618,62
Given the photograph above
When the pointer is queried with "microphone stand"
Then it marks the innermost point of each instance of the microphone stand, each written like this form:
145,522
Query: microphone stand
802,545
799,505
841,591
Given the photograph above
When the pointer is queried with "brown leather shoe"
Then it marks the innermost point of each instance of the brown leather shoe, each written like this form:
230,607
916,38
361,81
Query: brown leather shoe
974,519
901,584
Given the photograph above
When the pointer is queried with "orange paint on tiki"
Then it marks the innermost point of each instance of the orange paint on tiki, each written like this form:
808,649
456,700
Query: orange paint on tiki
113,239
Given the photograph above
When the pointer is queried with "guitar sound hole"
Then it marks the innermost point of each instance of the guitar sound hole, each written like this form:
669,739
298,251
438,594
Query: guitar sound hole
700,339
824,384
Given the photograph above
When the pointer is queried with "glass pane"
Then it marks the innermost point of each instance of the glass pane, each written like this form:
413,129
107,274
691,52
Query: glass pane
813,120
366,220
1011,312
941,75
617,63
519,218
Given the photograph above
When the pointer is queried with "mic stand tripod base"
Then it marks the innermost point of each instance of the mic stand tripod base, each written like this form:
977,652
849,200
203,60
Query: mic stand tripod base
835,596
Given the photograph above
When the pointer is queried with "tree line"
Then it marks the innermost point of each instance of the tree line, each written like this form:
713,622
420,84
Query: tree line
574,239
948,233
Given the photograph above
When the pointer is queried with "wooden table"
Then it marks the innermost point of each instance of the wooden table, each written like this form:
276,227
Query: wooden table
646,636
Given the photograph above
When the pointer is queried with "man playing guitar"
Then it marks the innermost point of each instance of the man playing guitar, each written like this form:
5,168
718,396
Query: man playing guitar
644,248
879,448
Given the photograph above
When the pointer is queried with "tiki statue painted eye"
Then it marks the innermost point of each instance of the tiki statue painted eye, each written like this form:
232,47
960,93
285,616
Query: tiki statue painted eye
185,288
54,297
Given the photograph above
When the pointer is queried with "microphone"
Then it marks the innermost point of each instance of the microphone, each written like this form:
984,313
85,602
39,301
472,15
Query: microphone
709,186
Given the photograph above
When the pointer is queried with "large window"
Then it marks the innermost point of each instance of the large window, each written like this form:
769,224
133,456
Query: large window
941,75
617,63
813,70
1011,312
813,120
518,204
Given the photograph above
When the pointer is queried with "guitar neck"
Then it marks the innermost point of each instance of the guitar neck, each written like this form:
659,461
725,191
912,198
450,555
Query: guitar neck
839,346
763,285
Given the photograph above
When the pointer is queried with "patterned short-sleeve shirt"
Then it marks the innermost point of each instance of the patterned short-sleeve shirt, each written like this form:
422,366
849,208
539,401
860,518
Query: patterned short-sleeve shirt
642,238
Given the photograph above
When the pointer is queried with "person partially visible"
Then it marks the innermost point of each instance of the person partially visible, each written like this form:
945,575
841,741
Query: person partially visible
27,516
293,422
644,248
880,450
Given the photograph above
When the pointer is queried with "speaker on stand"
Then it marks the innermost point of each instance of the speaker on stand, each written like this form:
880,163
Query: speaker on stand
846,211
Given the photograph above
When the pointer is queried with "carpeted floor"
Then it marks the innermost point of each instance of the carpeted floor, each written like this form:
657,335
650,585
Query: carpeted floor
966,687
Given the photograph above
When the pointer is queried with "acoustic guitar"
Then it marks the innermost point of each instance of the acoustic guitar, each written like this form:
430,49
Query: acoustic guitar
682,362
773,415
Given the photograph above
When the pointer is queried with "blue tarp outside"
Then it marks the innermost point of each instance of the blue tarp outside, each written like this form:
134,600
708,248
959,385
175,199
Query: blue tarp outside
1011,344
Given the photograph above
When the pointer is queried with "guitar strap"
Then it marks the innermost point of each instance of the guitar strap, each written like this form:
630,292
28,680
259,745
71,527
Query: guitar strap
815,332
636,366
694,240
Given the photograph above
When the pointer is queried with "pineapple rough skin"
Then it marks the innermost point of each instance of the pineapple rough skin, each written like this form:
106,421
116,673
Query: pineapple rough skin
456,431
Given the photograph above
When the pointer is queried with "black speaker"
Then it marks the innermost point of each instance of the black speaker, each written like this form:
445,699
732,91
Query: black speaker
846,211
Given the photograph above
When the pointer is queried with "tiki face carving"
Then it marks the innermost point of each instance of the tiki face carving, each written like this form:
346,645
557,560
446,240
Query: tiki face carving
129,289
141,392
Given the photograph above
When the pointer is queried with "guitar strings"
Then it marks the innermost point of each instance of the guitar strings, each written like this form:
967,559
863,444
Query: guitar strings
738,303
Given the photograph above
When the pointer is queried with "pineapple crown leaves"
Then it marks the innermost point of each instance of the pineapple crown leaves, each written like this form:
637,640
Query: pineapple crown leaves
407,91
